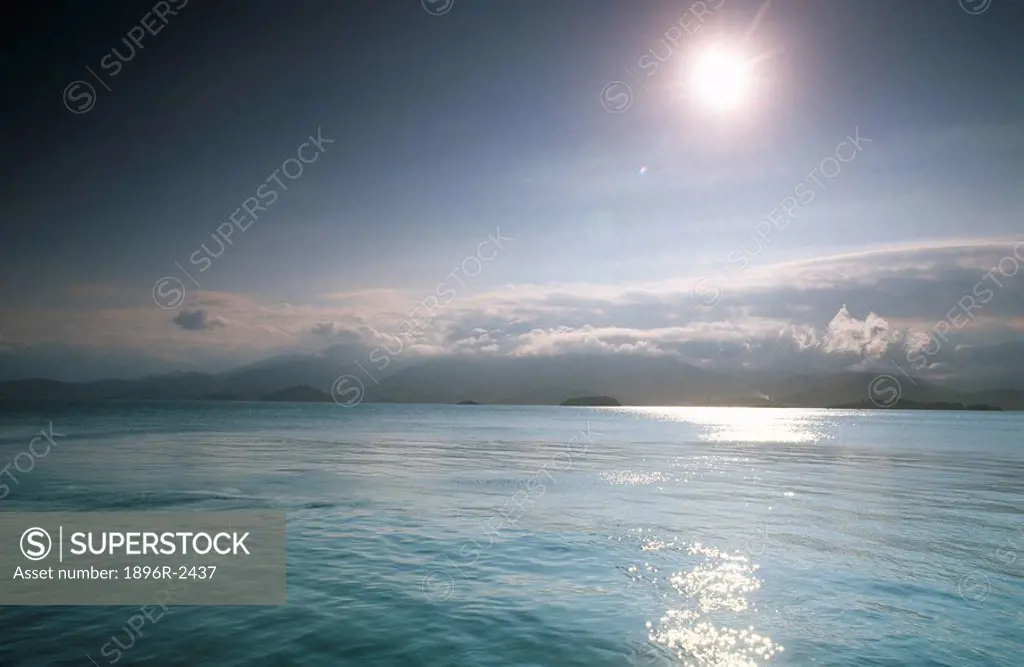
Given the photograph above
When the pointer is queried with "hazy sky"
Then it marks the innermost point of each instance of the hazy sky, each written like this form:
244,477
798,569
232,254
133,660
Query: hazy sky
623,213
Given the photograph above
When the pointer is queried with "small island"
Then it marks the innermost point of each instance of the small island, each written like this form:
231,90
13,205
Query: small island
298,394
592,401
468,403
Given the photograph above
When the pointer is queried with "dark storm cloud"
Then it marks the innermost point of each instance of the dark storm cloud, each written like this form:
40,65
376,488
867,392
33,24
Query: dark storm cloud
197,320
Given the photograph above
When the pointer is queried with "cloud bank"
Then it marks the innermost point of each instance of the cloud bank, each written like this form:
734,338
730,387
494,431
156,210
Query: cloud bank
943,309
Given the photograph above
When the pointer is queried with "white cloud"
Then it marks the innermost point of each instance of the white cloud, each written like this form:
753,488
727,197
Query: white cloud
845,334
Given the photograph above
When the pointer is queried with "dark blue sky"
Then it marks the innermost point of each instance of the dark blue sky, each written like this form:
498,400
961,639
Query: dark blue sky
488,116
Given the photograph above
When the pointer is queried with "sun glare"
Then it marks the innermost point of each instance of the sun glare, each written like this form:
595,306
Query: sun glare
721,79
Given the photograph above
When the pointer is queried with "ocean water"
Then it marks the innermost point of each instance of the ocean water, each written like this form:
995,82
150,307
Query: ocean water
475,535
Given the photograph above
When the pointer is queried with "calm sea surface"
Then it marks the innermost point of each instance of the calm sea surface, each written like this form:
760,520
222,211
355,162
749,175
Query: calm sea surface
472,535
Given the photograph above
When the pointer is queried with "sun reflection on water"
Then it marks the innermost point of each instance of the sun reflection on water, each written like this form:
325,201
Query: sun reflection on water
744,424
696,630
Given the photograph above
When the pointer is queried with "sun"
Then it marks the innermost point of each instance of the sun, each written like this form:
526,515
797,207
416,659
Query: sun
721,79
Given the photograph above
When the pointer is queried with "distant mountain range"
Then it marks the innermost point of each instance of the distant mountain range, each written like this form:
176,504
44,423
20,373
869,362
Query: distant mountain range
533,380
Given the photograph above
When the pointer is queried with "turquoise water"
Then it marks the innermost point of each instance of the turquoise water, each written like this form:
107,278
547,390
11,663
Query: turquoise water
472,535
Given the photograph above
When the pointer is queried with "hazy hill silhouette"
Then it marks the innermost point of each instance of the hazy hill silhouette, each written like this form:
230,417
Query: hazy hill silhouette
537,380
